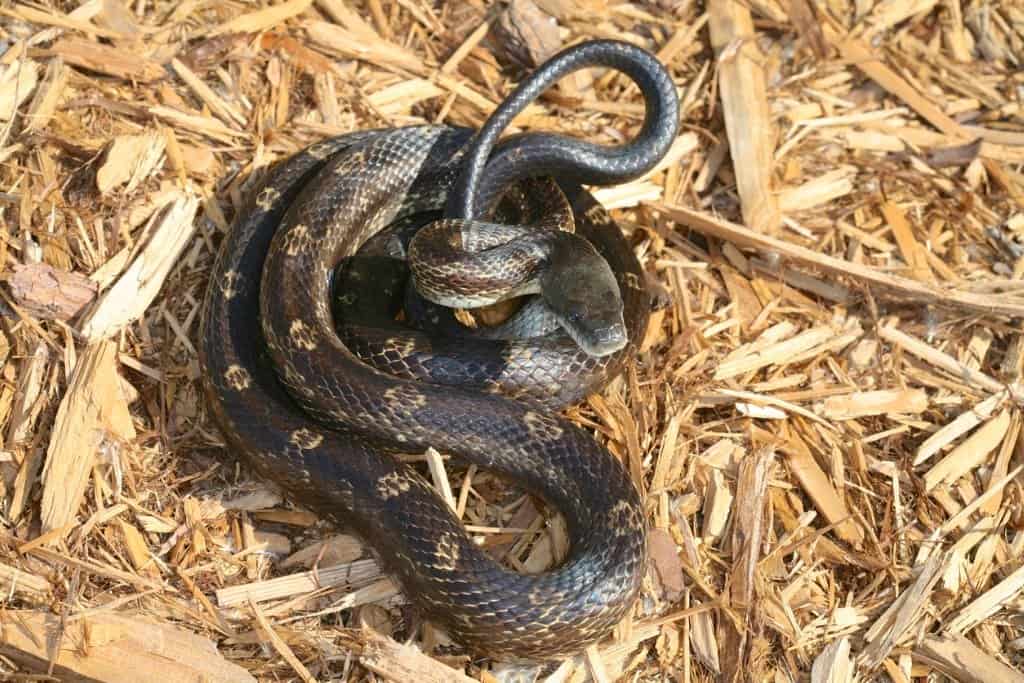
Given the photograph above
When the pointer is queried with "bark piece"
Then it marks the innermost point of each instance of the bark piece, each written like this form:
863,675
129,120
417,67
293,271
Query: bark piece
49,293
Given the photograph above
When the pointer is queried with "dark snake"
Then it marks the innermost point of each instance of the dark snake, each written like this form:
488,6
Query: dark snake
323,415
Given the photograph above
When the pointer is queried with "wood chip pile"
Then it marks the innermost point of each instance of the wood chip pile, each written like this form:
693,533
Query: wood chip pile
825,418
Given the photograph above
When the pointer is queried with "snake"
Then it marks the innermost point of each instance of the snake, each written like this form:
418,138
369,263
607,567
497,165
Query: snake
325,408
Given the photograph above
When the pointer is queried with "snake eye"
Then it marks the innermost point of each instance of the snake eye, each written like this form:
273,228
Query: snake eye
575,312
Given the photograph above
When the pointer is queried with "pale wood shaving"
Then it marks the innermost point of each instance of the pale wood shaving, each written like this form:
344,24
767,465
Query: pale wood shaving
865,403
91,410
140,283
254,22
130,160
986,604
962,424
745,104
114,648
107,59
47,96
901,616
13,582
970,454
964,661
396,662
833,665
349,574
17,82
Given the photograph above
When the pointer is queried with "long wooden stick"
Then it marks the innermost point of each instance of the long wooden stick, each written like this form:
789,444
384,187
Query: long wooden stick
910,290
745,107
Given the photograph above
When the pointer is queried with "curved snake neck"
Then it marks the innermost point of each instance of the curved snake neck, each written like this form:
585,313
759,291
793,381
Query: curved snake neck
315,419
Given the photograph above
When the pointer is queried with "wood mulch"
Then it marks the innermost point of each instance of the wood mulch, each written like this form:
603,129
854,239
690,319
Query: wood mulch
825,419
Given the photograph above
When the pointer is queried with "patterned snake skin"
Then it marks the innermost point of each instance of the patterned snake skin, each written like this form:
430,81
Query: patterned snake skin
300,402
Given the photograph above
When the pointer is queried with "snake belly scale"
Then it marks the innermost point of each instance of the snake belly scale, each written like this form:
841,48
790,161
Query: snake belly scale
312,415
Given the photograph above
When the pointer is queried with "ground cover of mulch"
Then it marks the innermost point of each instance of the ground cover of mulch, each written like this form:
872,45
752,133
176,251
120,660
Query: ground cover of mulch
825,420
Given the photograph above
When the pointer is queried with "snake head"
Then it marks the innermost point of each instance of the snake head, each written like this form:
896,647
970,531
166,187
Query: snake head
580,289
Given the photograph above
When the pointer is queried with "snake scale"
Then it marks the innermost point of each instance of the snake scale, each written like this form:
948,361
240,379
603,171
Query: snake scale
322,413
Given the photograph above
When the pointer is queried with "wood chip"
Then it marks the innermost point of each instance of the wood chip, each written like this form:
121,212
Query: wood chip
396,662
865,403
913,252
745,104
962,424
781,352
817,485
970,454
17,82
113,648
140,283
47,96
717,507
833,665
817,191
896,622
108,59
332,551
527,34
940,360
261,20
665,556
748,527
964,661
50,294
48,17
26,586
986,604
91,413
351,574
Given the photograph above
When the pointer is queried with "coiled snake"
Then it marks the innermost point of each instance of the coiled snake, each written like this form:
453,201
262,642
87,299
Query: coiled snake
322,414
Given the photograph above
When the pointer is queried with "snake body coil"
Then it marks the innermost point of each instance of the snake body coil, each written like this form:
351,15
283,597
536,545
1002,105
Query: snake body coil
323,416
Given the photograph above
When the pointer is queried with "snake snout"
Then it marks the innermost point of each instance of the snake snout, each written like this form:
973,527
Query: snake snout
597,326
603,341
